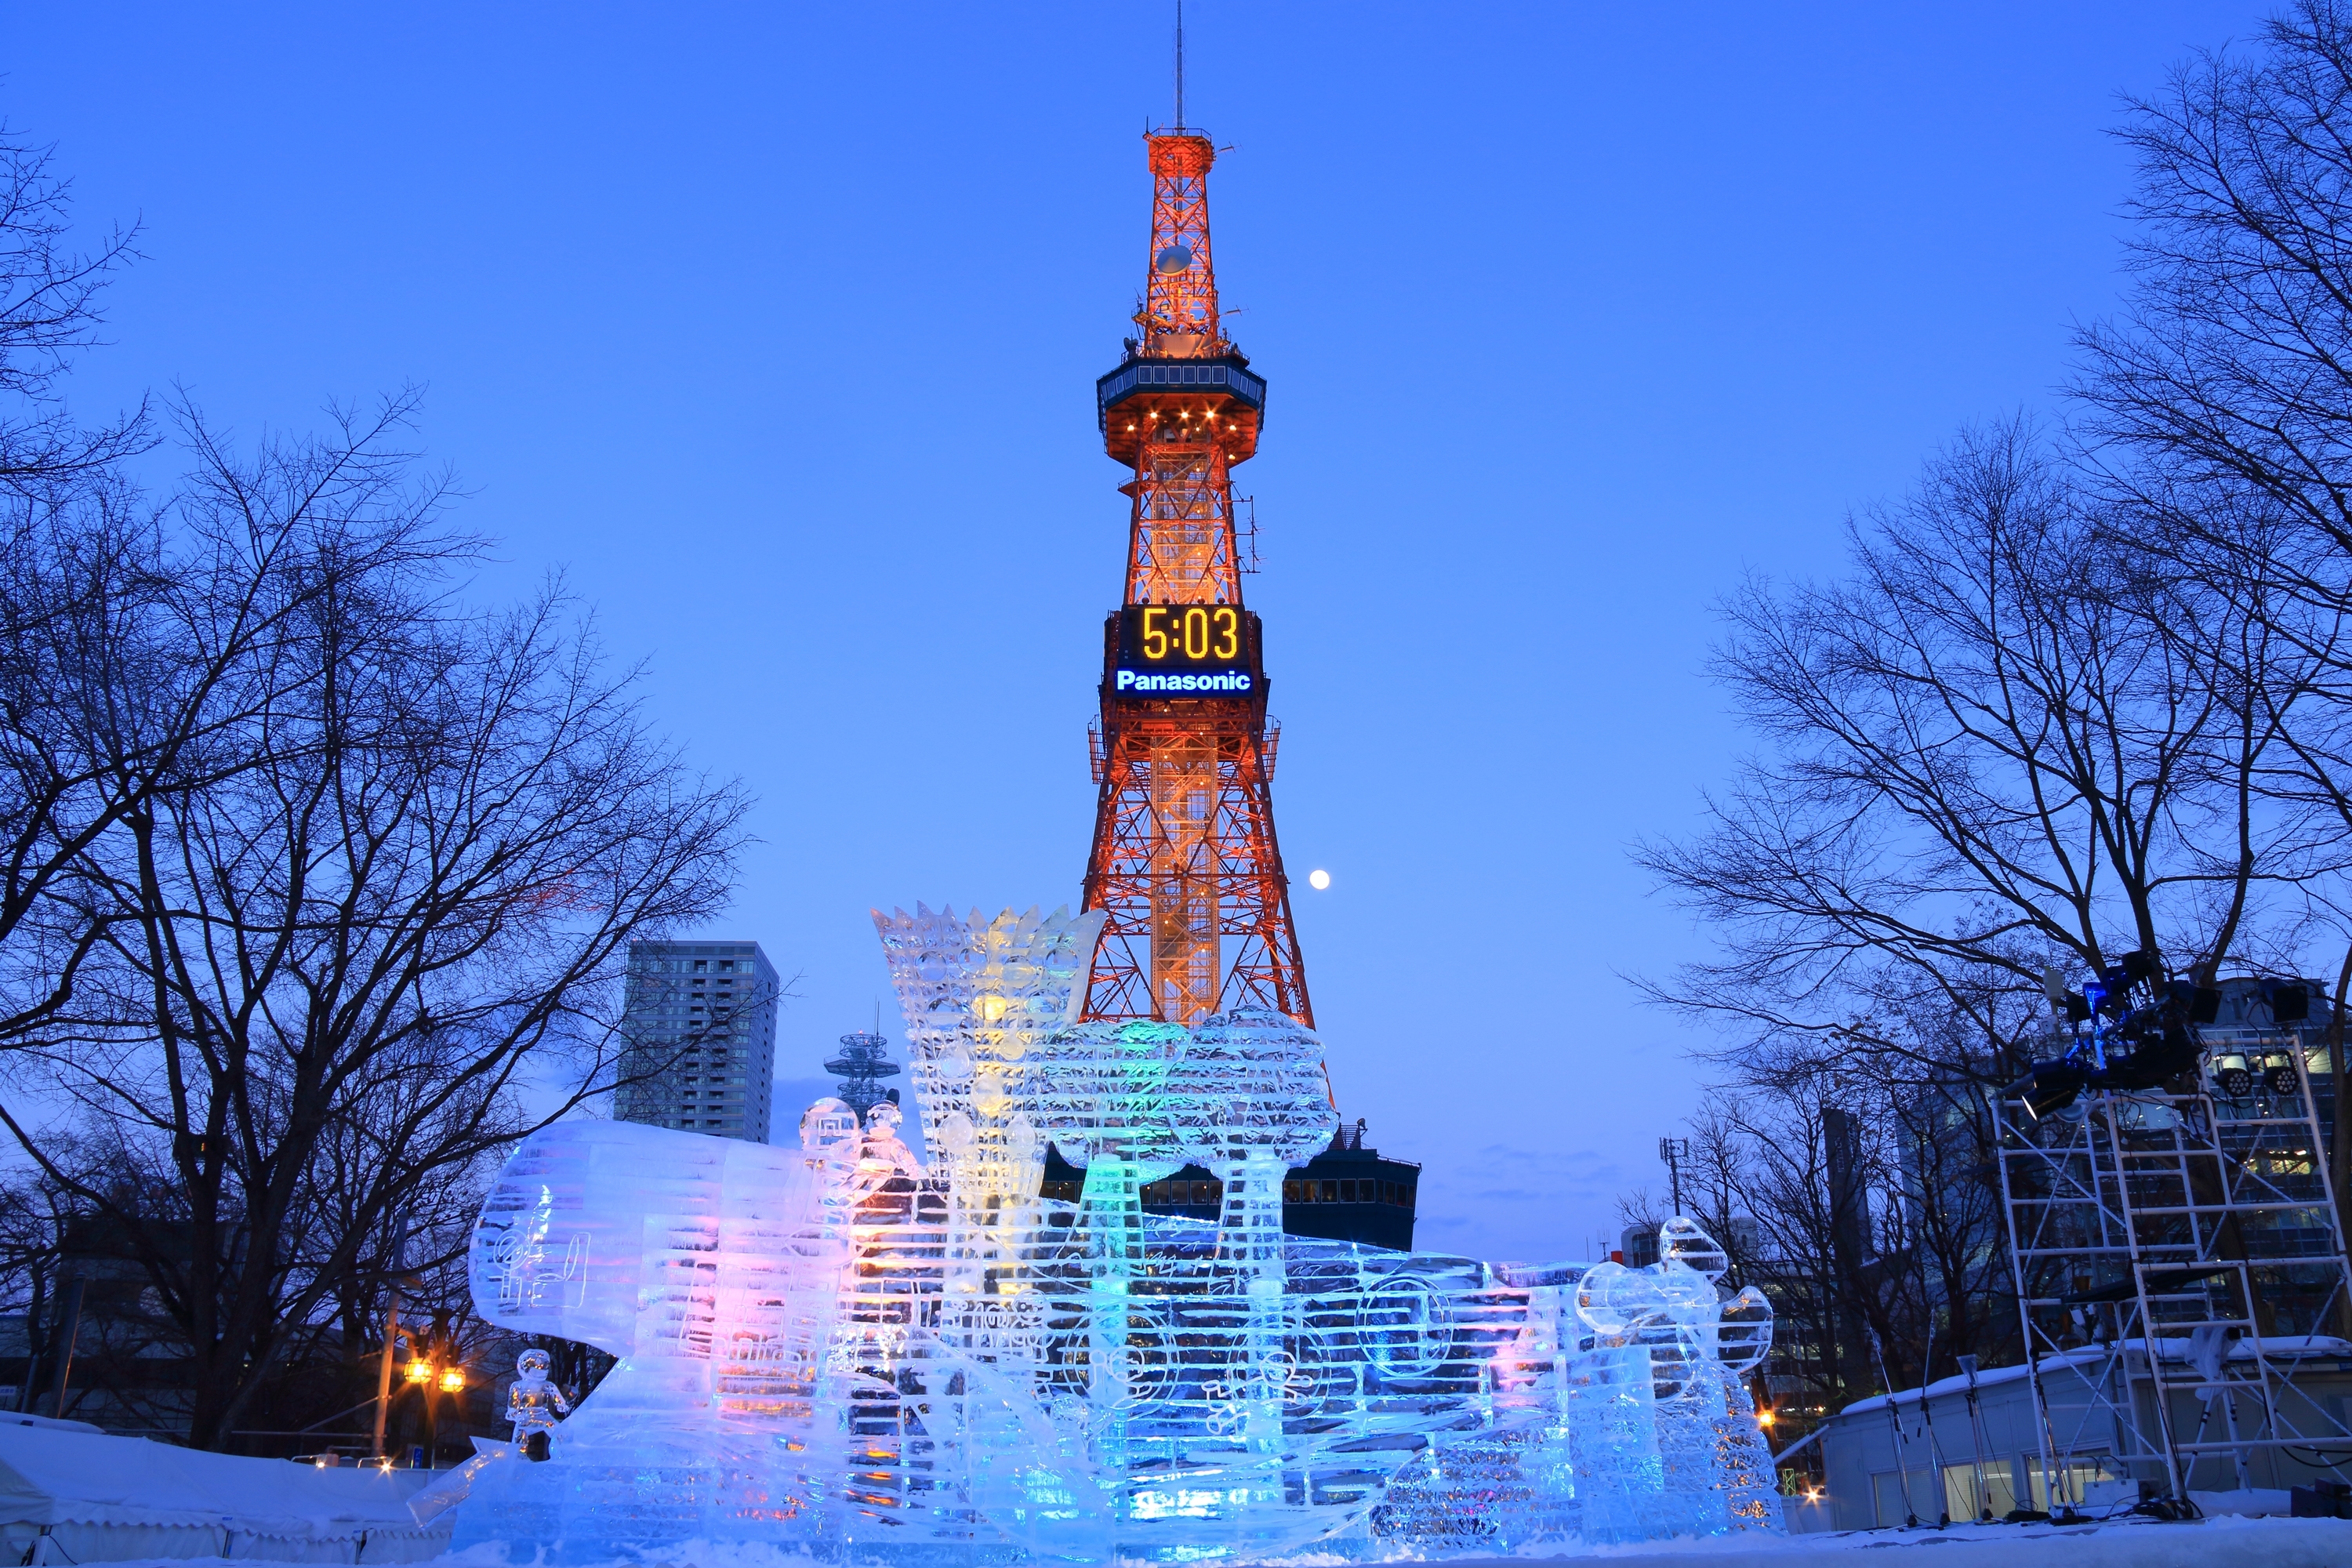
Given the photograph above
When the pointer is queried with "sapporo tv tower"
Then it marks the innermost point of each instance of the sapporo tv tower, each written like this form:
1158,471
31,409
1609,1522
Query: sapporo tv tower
1184,862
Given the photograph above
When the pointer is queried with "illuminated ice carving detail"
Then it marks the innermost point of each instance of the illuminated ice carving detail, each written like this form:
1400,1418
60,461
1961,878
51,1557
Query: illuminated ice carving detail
844,1350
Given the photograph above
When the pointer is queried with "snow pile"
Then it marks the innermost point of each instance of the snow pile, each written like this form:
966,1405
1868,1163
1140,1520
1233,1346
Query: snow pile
77,1496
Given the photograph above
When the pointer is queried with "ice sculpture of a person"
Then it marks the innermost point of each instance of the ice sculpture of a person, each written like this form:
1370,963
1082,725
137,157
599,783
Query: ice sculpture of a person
885,1153
534,1404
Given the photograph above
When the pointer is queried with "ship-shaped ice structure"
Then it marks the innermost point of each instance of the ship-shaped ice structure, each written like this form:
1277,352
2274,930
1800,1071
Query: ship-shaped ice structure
835,1350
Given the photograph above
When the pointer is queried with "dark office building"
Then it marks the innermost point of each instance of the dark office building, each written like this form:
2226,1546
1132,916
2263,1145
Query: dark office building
1347,1192
699,1019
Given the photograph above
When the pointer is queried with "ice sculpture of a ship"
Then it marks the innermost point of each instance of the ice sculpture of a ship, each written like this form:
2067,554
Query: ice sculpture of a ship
832,1348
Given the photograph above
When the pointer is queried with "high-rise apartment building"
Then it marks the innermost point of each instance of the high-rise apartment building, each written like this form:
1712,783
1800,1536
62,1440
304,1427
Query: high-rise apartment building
698,1027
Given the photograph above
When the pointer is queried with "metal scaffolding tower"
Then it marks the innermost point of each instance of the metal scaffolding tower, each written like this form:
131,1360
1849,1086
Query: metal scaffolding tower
2178,1266
861,1067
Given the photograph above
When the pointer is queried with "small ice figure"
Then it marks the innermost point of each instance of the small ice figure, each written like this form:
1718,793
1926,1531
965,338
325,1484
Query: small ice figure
827,1125
885,1154
534,1404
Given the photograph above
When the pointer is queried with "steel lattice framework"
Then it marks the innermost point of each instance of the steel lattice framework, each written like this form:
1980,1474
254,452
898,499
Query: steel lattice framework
1184,864
2178,1269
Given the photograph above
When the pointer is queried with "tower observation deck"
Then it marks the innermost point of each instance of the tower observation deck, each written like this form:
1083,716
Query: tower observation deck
1184,862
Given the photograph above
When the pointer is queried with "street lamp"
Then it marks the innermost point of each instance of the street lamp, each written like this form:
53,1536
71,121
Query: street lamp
419,1370
453,1380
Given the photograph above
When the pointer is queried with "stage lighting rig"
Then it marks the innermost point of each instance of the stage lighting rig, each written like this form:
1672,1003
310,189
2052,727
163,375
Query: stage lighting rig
2142,1033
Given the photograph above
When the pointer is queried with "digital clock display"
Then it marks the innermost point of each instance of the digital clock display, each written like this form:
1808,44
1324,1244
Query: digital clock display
1177,650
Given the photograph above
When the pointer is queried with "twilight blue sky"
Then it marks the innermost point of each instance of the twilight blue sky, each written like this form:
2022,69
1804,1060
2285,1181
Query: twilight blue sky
775,327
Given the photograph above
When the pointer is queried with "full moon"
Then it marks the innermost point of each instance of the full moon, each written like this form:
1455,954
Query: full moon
1318,881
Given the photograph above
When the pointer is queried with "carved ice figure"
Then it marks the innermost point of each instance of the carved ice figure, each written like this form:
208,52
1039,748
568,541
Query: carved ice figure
1701,1467
710,1268
533,1402
840,1351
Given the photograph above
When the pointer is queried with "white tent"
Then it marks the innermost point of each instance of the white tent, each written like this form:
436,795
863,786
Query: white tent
70,1494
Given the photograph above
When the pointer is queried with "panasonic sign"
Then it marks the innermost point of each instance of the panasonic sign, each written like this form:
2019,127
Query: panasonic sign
1153,682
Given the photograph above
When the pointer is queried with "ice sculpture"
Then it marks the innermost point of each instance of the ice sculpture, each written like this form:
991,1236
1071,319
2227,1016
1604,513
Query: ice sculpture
840,1349
533,1402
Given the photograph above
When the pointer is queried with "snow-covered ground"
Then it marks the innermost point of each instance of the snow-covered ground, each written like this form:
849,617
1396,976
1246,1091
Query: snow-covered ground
2211,1543
2224,1543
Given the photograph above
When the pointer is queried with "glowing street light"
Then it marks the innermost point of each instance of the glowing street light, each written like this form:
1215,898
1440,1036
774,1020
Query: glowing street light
453,1380
419,1370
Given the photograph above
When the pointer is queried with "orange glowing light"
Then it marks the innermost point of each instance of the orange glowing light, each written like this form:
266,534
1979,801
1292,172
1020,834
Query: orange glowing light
453,1380
419,1370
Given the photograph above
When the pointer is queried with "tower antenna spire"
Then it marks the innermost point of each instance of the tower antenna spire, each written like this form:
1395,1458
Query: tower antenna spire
1179,65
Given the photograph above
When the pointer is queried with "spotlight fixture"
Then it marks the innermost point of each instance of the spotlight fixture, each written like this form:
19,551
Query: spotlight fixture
2048,1087
2200,1003
2278,1071
2290,1000
2232,1075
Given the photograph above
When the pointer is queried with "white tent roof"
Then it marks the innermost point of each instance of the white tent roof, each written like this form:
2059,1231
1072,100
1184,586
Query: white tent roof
2169,1347
50,1474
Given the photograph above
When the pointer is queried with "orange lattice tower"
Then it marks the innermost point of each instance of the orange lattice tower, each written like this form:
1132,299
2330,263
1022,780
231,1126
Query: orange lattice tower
1184,860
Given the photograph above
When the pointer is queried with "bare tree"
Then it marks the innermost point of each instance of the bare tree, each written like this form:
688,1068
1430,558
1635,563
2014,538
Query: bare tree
1860,1206
35,1215
48,310
1988,750
380,945
77,559
2218,405
139,646
2223,397
2003,741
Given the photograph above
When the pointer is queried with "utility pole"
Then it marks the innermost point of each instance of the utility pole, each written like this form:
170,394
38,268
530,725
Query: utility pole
1674,1152
69,1330
383,1375
391,1335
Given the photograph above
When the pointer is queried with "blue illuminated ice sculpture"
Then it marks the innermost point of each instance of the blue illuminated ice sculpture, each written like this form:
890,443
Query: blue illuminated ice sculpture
838,1349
